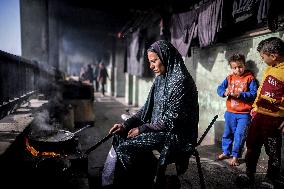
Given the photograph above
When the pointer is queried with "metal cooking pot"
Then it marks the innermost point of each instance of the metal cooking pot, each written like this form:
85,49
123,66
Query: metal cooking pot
55,141
53,136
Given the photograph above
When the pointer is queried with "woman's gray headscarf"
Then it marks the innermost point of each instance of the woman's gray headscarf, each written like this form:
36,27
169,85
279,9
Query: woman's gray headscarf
176,113
180,105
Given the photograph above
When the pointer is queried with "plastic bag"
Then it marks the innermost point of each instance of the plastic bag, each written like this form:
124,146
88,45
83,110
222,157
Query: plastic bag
109,168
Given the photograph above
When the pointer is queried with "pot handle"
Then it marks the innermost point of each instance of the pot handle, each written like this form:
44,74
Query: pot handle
98,143
83,128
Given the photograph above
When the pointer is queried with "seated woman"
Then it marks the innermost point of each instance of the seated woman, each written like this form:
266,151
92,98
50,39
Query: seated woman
167,122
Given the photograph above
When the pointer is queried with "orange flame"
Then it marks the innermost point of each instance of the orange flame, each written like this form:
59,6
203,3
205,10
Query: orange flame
34,152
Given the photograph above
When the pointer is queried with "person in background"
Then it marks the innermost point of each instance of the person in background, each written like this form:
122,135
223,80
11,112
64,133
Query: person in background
102,77
82,73
86,74
167,122
89,74
95,75
240,90
267,115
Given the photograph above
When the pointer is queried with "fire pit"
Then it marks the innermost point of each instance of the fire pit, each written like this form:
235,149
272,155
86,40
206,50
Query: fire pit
60,141
56,153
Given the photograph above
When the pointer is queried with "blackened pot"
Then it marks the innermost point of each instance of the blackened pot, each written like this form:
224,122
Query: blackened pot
63,142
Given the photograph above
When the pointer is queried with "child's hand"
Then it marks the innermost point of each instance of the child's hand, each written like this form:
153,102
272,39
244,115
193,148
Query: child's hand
226,92
235,95
252,113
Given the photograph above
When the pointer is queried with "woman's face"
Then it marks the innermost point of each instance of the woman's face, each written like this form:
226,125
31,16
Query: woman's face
156,64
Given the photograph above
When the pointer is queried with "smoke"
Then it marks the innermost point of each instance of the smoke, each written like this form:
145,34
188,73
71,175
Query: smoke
41,121
41,126
46,121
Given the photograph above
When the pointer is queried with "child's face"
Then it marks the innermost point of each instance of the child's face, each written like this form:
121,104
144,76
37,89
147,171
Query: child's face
269,59
238,67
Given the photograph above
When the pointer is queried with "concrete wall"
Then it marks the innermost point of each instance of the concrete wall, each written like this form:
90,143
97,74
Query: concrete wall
56,33
128,88
40,31
144,88
119,85
136,89
53,34
34,30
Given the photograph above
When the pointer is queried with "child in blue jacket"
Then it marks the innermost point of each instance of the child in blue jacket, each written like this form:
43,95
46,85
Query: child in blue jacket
240,89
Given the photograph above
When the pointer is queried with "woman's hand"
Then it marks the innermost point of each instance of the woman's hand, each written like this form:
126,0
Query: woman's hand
133,132
116,128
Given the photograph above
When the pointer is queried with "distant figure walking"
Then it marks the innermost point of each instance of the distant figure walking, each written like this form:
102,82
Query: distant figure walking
102,77
82,73
89,74
96,70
